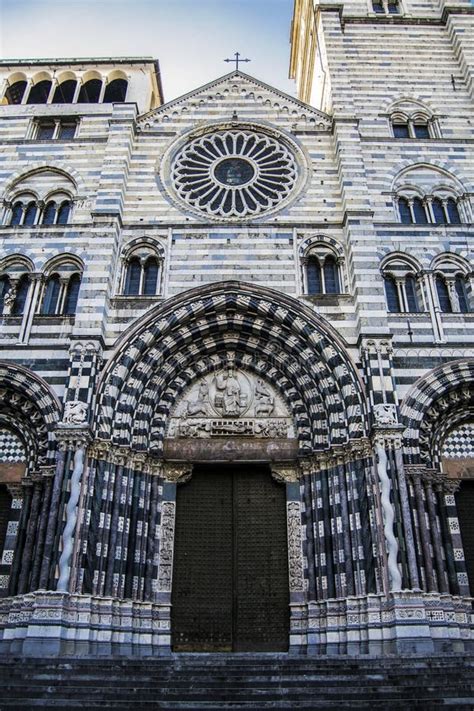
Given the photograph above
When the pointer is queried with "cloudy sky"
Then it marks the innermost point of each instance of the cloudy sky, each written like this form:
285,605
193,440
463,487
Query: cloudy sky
189,37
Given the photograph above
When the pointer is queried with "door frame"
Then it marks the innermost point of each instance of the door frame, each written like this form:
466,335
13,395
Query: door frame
286,473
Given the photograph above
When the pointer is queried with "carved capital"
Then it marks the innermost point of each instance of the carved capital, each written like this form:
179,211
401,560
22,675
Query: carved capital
177,472
434,477
285,472
72,437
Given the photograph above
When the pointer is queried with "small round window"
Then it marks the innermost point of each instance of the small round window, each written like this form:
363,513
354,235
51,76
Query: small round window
234,173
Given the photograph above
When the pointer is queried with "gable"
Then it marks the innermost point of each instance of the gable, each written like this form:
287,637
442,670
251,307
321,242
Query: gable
237,96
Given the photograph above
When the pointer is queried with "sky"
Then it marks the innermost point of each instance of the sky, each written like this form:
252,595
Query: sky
190,38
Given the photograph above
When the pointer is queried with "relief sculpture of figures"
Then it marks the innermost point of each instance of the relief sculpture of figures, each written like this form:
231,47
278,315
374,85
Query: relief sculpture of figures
265,400
199,406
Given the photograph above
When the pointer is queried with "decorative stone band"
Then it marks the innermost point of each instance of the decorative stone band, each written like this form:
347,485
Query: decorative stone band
338,454
432,476
101,450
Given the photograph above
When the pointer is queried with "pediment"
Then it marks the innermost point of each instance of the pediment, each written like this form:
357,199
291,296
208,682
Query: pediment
240,97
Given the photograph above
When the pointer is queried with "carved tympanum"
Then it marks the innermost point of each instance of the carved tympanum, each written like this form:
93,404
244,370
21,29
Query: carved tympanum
231,402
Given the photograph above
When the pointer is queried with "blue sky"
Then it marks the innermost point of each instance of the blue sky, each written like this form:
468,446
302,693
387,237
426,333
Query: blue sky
189,37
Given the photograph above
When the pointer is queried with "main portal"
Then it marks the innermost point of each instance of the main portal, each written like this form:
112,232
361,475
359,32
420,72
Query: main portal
230,581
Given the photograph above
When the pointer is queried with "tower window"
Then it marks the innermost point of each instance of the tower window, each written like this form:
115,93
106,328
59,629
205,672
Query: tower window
4,289
401,130
313,273
443,295
49,129
14,94
453,212
331,280
405,212
90,92
133,277
460,285
421,130
51,296
39,92
72,295
30,214
21,296
419,212
116,91
17,213
438,211
391,293
410,294
64,92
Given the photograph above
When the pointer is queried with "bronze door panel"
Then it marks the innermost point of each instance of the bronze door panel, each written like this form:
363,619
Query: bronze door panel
230,583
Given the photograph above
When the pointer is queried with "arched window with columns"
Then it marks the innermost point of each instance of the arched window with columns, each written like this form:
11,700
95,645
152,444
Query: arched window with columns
426,194
142,268
61,287
322,270
402,282
452,280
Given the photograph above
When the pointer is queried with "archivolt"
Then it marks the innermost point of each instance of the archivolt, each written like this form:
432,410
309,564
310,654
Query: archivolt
28,404
437,402
254,327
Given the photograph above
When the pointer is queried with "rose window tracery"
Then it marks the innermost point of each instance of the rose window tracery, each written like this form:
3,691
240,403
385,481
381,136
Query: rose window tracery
234,173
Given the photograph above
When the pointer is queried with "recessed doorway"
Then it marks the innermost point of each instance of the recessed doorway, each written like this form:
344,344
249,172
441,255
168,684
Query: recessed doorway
230,581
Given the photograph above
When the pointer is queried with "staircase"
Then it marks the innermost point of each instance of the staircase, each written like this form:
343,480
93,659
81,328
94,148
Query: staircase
238,682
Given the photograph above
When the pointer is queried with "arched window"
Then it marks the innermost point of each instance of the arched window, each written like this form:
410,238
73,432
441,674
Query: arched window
443,295
460,284
21,295
4,289
410,293
453,212
72,295
419,211
90,92
14,94
116,91
438,211
17,213
421,130
39,92
64,92
132,279
49,214
150,276
313,275
51,296
404,210
393,7
331,279
64,212
391,293
30,214
400,129
378,7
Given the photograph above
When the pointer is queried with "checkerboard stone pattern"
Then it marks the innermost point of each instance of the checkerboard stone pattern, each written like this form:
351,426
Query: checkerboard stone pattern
12,450
459,444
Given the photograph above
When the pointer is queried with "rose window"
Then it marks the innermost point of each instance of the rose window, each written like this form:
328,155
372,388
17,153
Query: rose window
234,173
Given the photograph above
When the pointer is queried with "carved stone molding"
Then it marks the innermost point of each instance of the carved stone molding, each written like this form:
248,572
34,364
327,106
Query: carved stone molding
72,437
295,547
432,476
338,454
165,571
177,472
125,457
285,473
388,437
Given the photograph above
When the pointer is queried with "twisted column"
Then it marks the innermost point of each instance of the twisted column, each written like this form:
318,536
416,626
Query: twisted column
388,518
71,519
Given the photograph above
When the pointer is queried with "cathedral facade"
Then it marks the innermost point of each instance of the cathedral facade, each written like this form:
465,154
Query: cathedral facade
236,358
